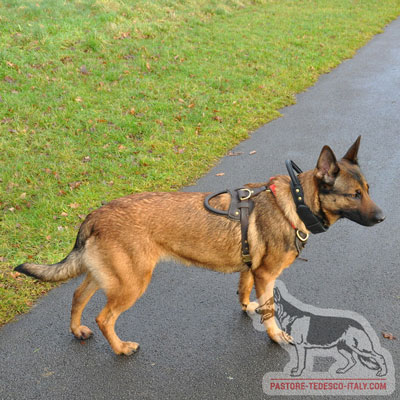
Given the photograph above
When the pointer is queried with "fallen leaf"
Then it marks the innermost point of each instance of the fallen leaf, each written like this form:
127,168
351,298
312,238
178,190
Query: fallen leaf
83,70
78,99
132,111
388,335
86,159
48,237
179,150
23,196
8,79
66,59
220,174
74,185
123,35
74,205
64,214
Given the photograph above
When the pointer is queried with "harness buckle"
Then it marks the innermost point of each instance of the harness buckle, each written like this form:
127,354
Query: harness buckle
246,258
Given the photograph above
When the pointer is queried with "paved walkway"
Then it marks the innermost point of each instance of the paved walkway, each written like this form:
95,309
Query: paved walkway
195,342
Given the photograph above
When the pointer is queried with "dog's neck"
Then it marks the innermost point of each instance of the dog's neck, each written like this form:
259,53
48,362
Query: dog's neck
285,201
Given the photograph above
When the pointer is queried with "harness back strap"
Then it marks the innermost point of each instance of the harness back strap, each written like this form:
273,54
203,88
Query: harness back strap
240,209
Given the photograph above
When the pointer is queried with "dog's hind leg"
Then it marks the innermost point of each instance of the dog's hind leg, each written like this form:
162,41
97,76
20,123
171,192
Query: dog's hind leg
246,283
347,354
128,282
359,342
119,300
371,359
81,297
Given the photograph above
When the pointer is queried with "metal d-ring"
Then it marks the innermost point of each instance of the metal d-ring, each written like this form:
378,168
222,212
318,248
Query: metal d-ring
303,239
242,198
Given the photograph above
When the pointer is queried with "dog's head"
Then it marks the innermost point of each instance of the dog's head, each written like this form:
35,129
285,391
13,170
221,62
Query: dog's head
278,304
343,189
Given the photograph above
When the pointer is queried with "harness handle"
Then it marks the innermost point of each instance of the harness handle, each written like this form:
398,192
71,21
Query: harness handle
212,209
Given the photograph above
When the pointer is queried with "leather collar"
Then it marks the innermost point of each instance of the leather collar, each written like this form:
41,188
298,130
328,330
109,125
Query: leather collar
312,222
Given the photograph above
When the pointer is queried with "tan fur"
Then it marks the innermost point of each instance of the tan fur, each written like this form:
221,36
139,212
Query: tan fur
119,245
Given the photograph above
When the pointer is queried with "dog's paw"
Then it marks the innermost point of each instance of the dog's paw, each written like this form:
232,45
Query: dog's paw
82,332
381,372
341,370
251,307
128,348
295,372
280,337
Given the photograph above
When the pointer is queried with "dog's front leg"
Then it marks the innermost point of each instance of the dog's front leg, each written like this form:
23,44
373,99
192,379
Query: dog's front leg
264,283
246,284
301,361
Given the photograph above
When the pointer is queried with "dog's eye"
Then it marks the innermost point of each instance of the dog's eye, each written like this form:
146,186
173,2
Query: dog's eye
356,195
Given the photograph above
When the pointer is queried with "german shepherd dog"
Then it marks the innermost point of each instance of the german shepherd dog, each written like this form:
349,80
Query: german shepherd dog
119,244
316,331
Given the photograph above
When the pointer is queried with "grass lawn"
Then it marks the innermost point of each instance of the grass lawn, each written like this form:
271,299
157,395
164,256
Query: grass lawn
101,98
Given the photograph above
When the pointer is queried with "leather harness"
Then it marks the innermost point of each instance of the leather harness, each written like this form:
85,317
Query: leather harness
242,205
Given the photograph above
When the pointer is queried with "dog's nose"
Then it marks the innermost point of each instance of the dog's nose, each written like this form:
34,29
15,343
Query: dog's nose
381,219
379,216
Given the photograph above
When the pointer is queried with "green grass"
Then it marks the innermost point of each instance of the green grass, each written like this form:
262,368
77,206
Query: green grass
101,98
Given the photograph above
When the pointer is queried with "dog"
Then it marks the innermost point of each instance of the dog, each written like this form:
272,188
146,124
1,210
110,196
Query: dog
119,244
316,331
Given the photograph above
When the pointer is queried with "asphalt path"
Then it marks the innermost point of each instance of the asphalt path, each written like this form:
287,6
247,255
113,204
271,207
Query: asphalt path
195,341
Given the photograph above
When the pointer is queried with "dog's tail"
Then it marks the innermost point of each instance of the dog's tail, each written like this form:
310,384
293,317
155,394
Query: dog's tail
368,362
70,267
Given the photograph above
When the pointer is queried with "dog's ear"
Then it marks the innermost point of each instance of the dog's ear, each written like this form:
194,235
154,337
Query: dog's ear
327,166
277,294
352,152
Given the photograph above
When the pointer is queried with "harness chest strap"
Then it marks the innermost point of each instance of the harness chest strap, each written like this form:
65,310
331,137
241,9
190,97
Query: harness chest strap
240,209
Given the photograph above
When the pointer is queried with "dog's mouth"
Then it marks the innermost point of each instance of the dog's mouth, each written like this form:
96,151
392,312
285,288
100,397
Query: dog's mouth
369,219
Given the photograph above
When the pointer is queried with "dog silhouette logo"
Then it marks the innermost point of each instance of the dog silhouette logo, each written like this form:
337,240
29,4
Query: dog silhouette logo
341,343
